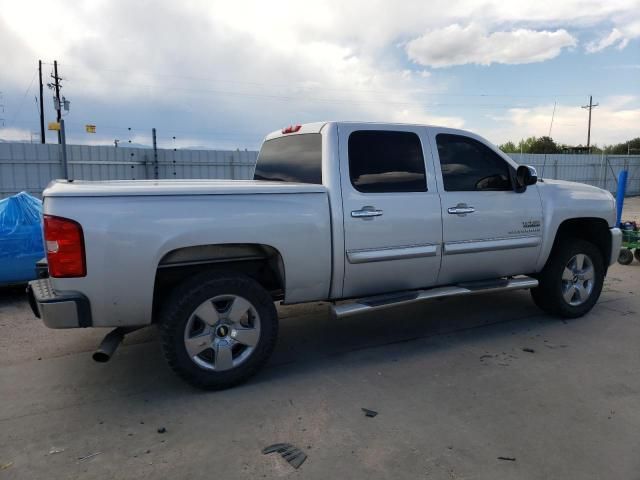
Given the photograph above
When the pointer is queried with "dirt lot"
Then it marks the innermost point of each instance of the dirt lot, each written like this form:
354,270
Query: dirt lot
450,379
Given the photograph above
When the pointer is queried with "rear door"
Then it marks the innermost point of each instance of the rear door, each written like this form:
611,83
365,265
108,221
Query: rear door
392,216
489,230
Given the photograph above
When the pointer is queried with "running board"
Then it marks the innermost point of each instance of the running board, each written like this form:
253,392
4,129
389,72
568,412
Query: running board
380,302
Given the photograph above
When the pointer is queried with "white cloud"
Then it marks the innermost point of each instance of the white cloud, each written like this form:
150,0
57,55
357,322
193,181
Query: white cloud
457,45
618,37
18,135
615,120
614,37
223,73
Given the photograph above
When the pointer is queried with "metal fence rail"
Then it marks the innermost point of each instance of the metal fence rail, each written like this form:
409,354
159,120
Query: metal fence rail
30,167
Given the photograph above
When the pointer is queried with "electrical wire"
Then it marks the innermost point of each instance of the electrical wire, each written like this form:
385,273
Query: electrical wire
15,115
303,85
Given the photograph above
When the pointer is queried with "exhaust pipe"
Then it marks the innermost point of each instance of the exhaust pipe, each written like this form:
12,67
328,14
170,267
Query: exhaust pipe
110,343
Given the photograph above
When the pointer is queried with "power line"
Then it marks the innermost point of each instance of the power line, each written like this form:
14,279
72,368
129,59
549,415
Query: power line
19,108
313,87
306,98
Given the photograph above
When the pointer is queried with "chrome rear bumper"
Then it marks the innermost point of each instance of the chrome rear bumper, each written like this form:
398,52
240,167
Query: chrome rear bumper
58,310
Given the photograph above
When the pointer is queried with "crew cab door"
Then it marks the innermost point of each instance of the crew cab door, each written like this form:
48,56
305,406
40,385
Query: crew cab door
392,217
489,230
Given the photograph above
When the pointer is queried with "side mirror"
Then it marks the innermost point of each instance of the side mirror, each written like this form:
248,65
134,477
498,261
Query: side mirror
525,176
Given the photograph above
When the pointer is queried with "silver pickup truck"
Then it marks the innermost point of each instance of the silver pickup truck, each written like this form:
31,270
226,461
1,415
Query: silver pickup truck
371,214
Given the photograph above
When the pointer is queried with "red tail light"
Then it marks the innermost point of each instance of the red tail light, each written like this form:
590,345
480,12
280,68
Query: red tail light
292,129
65,247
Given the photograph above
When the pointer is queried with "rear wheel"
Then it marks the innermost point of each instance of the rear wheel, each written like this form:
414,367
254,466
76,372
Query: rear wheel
636,253
625,257
571,282
218,329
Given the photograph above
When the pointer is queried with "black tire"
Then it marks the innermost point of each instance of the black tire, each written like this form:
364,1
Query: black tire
636,253
625,257
549,293
184,301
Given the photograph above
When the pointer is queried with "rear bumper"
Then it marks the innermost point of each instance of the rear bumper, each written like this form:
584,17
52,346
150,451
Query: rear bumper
58,310
616,244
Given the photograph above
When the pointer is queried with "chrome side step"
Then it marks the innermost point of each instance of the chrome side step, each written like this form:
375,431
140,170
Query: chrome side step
380,302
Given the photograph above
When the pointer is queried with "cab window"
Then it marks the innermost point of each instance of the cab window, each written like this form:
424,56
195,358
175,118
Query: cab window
468,165
386,161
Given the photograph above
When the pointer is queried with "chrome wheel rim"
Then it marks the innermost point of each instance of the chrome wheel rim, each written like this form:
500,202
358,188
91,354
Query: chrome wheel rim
222,332
578,280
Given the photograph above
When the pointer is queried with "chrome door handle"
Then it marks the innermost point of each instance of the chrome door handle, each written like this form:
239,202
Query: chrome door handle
366,212
461,209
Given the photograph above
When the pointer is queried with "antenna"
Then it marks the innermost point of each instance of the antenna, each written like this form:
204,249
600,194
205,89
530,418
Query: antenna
552,116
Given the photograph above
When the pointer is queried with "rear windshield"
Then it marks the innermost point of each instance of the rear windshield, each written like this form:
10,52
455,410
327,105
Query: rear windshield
296,158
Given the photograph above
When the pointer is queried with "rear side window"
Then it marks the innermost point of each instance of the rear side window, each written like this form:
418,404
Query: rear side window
294,158
384,161
468,165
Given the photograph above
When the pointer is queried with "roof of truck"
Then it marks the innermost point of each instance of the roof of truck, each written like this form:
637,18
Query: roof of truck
316,127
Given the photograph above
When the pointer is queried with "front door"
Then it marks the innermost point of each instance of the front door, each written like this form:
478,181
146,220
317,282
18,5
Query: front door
392,217
489,230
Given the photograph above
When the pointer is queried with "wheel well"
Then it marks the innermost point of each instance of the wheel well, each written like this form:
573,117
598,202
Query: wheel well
594,230
263,263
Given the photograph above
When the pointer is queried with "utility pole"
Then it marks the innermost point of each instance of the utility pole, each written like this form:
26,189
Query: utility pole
42,138
63,138
56,86
590,107
59,104
155,153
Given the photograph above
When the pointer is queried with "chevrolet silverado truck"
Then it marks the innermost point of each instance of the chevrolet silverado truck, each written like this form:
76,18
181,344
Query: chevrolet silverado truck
366,216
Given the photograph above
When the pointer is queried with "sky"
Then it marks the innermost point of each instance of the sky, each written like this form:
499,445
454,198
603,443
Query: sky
220,74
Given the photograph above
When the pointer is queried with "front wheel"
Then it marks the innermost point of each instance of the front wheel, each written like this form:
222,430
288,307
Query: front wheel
571,282
218,329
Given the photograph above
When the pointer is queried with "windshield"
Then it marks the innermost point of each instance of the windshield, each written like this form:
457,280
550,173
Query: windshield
296,158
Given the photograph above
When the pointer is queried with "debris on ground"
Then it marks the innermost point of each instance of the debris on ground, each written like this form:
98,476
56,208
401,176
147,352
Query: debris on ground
162,430
553,345
482,357
4,466
369,413
55,450
508,459
82,459
291,454
528,350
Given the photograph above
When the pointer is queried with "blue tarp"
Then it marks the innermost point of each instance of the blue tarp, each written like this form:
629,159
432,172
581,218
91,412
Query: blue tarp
20,238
